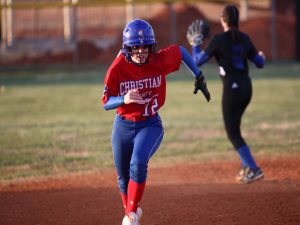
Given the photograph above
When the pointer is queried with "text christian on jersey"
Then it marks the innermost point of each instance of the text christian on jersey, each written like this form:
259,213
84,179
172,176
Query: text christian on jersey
151,82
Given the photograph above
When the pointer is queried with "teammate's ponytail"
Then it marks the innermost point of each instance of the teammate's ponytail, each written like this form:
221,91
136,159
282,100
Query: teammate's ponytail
231,18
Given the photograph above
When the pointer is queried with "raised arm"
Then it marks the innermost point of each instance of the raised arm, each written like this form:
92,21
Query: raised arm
197,31
200,56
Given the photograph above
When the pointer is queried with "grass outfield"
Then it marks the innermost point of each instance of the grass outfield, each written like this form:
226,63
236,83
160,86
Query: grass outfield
52,122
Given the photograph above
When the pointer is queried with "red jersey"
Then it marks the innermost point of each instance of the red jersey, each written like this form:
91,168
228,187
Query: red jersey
149,79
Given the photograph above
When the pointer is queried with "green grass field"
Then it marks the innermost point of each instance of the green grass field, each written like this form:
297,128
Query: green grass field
52,122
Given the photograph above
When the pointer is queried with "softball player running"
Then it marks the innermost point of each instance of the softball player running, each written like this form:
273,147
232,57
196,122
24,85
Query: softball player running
135,85
231,49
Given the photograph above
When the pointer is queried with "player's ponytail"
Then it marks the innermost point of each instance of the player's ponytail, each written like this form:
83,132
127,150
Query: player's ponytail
231,17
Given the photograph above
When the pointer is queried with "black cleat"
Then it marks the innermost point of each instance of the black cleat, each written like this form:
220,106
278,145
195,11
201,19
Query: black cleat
252,175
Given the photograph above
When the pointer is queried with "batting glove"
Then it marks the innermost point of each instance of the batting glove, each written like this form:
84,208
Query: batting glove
200,84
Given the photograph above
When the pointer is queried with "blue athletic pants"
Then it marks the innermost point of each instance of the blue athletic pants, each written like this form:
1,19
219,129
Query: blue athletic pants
133,144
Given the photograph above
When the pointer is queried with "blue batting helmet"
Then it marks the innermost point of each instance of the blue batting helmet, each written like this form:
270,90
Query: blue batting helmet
138,33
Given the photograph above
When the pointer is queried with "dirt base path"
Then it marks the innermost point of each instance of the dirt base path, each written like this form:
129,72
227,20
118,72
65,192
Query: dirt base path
195,194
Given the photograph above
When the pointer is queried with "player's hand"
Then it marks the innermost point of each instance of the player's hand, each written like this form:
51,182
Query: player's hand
197,31
200,84
133,96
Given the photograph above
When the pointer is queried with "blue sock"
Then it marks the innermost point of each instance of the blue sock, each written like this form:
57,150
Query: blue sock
246,157
244,163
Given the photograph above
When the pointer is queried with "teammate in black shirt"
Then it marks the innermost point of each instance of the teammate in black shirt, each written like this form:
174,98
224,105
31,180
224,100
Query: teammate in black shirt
231,49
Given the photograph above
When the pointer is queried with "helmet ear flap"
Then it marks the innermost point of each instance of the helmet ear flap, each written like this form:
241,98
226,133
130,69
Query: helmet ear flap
125,51
154,48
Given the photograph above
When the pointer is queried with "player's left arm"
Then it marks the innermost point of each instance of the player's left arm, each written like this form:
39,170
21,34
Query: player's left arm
200,83
257,57
259,60
189,63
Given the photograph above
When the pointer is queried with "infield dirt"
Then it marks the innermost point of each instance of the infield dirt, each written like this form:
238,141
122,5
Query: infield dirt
194,194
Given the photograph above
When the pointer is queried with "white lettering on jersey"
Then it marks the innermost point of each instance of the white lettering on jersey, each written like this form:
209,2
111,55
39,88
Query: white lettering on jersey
151,82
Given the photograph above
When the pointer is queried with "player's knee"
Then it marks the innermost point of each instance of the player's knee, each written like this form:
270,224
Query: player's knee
236,140
231,137
123,180
138,171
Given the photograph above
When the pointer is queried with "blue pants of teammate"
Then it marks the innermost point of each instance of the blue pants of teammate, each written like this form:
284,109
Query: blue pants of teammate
133,145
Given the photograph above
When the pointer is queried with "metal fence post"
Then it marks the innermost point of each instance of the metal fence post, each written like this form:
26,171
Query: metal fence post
7,23
69,20
244,9
273,31
173,25
129,10
3,25
10,24
297,13
70,25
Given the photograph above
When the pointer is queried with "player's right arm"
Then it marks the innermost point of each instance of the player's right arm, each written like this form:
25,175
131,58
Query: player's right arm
132,96
200,56
111,98
113,102
197,31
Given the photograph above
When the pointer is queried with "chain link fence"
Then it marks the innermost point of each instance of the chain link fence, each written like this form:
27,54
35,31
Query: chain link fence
75,31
